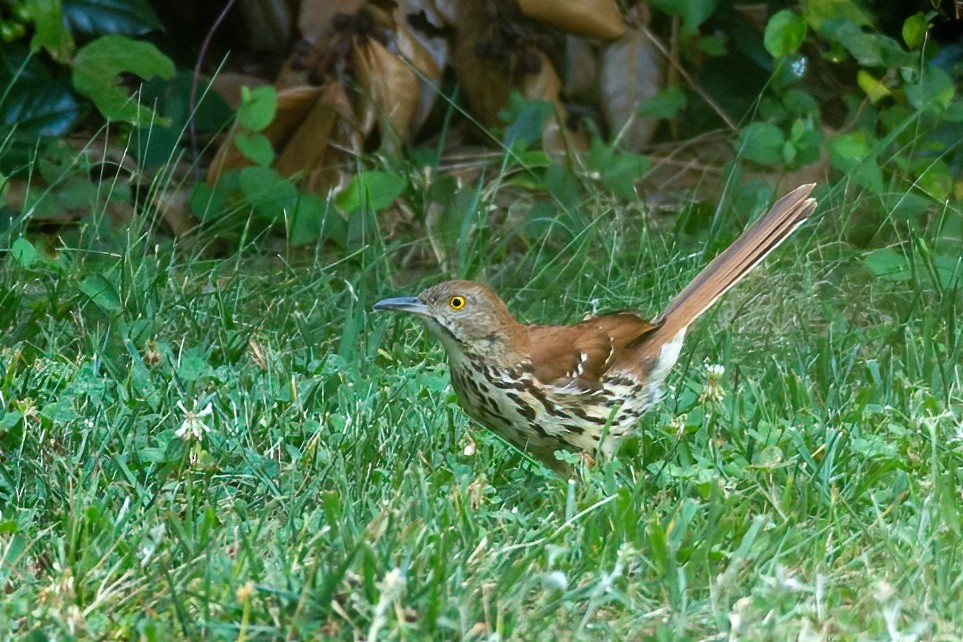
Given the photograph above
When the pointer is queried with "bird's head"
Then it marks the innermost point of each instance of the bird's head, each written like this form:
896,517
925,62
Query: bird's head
466,316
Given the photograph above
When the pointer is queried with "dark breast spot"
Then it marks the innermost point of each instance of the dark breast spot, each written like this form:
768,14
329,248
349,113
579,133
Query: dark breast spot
574,428
536,392
523,408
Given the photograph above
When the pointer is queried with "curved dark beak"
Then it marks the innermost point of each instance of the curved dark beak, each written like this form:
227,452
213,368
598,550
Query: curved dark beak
402,304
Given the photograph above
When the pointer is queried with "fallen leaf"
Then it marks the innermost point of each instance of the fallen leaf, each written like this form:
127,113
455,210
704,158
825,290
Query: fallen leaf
590,18
631,72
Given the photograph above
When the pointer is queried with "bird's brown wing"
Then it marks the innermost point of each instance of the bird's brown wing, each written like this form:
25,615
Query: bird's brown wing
581,354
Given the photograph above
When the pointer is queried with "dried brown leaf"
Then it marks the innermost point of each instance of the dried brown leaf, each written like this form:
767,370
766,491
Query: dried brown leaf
293,106
314,20
318,148
546,85
581,70
389,87
631,72
428,56
590,18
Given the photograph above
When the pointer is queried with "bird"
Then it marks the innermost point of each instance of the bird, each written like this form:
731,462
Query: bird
580,388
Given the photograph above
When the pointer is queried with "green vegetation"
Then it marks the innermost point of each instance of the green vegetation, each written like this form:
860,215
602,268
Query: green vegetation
206,434
194,448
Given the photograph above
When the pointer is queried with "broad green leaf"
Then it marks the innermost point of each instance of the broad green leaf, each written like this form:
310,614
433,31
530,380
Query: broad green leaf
846,152
620,176
908,206
665,104
50,32
692,12
193,366
304,224
96,73
934,91
23,252
819,11
888,264
762,143
949,270
873,87
313,219
36,101
934,177
784,34
258,107
101,292
156,145
914,30
272,196
255,147
789,152
375,190
712,45
9,420
868,49
207,202
92,18
527,120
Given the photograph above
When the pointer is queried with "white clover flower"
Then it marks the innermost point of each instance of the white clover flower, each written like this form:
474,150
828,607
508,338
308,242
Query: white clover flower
193,427
713,391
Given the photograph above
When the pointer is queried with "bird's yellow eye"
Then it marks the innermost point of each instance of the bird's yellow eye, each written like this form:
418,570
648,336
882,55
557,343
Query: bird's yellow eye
457,302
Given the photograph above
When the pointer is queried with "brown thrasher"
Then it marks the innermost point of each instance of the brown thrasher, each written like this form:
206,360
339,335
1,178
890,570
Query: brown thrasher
579,387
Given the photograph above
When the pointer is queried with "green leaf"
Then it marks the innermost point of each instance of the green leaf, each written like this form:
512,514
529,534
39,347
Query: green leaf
92,18
39,102
255,147
933,176
23,252
98,65
206,202
934,91
851,153
784,34
665,104
305,222
101,292
819,11
762,143
626,168
692,12
313,219
50,32
527,120
873,87
888,264
258,107
949,270
272,196
846,152
375,190
192,366
914,30
9,420
869,49
714,46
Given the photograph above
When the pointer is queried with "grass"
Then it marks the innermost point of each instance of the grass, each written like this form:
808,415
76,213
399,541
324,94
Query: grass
336,490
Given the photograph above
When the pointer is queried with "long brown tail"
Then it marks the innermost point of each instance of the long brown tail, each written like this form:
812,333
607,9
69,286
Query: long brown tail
729,267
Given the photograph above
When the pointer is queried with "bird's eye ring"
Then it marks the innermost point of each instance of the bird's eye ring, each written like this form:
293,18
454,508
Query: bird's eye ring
457,302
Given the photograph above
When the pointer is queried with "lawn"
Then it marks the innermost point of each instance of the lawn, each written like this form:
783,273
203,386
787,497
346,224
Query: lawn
239,448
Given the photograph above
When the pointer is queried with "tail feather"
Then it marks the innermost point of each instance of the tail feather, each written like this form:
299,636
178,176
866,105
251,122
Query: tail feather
729,267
